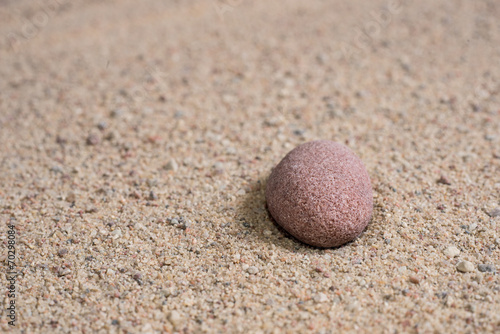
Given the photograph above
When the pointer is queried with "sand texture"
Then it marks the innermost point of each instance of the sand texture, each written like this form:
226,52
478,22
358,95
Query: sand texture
137,138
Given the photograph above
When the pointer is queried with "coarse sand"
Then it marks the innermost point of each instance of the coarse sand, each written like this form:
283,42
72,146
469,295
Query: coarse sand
137,138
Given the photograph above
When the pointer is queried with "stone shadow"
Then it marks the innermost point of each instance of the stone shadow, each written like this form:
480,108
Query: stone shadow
256,223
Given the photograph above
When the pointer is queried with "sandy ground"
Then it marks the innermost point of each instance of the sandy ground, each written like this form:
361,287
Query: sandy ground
136,141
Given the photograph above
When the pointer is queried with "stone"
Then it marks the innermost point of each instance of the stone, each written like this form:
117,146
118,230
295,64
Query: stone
320,298
495,212
451,251
175,318
465,267
321,194
486,268
252,270
171,165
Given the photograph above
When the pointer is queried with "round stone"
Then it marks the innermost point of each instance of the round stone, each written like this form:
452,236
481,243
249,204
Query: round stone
321,194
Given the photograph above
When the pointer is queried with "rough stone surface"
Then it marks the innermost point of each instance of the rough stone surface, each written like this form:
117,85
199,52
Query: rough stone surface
451,251
321,194
465,267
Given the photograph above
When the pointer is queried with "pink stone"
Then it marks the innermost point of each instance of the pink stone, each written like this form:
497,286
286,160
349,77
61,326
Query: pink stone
321,194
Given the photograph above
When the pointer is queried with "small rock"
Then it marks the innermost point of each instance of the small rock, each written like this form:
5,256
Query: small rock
489,137
449,301
61,140
184,225
495,212
219,168
91,209
465,267
116,234
470,308
152,182
451,251
486,268
152,196
147,328
174,221
252,270
444,180
71,197
298,132
320,298
56,169
138,278
175,318
111,135
236,258
414,280
171,165
117,113
62,252
64,272
93,139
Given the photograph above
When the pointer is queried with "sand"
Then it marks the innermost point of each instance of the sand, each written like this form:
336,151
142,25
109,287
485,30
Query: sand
137,140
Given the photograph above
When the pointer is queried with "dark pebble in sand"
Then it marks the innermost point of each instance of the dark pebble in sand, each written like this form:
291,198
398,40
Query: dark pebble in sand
486,268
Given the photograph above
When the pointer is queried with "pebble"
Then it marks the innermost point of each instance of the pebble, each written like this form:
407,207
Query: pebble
444,180
252,270
486,268
117,233
451,251
171,165
56,169
152,182
64,272
93,139
91,209
62,252
414,280
321,194
495,212
465,267
320,298
117,113
175,318
71,197
102,125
